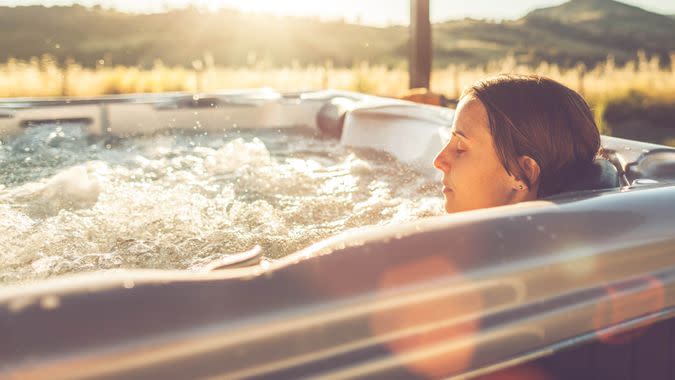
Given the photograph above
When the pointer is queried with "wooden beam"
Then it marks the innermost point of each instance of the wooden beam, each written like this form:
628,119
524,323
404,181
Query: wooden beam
420,44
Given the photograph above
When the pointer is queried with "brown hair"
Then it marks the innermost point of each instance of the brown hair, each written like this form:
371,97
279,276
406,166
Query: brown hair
540,118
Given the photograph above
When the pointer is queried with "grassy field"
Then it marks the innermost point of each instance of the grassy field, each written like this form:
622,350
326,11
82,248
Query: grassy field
641,91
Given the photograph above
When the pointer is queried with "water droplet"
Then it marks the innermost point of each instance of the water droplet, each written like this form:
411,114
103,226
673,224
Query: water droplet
541,228
18,304
50,302
129,284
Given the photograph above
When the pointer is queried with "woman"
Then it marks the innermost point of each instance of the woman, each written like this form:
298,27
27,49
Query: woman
515,138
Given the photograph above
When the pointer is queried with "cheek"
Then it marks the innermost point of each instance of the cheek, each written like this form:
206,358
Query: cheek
480,184
497,186
471,175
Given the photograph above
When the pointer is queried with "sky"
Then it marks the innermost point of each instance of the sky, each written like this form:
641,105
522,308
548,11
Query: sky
371,12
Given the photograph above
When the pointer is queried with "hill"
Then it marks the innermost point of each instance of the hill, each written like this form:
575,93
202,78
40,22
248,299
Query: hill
616,24
579,30
180,36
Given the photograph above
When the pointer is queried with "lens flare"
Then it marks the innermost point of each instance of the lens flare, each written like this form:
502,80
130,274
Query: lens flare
621,306
424,350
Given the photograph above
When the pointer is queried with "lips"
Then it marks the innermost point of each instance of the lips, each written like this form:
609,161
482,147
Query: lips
446,188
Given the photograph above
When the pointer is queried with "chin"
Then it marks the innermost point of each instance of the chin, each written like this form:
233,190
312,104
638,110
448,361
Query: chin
449,207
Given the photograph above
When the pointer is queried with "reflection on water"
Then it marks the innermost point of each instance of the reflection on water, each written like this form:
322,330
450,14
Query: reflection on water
70,203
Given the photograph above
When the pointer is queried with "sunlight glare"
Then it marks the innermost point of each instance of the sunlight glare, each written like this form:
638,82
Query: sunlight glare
349,10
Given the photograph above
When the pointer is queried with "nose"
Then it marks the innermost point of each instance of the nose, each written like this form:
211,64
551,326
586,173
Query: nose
442,162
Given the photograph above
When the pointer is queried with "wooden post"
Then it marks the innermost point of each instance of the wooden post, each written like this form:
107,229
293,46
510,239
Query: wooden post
420,44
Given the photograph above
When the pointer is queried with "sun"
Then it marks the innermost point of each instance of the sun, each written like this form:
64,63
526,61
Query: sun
372,12
291,7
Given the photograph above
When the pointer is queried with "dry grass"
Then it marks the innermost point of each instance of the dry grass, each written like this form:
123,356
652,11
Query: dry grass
43,77
641,90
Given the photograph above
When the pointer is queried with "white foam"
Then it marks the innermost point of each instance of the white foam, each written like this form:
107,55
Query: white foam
179,202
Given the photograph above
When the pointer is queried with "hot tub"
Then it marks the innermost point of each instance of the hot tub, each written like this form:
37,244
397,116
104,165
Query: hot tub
527,288
78,196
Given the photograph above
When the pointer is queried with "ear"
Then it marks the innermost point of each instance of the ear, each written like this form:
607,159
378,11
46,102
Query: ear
530,168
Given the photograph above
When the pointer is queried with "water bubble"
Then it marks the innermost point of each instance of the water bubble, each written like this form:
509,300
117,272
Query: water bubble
166,202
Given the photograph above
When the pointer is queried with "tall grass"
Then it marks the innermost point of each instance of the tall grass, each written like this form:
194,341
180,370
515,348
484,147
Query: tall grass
44,77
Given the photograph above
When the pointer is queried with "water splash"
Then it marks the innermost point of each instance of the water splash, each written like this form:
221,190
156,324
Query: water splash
73,204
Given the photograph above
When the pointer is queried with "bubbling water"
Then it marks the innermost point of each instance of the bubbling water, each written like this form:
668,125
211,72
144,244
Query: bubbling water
70,203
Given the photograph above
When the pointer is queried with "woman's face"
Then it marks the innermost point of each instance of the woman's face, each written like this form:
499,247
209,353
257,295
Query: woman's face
473,176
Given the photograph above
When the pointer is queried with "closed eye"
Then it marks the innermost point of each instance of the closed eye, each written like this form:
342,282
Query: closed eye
459,146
